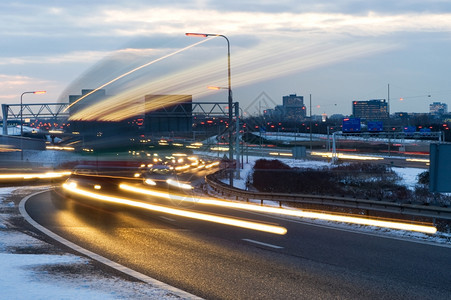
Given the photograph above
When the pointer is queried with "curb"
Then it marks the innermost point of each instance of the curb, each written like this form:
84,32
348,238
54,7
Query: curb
149,280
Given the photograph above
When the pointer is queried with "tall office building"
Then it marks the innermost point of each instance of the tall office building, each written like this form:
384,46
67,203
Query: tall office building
376,109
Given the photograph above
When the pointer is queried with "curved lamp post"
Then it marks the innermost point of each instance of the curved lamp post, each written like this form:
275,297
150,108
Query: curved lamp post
21,122
230,100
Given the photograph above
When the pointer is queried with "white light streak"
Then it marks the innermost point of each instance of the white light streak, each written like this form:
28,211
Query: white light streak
179,184
179,212
134,70
284,211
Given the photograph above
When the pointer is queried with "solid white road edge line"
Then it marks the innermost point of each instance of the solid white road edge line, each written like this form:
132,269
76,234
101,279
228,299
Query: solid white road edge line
263,244
99,258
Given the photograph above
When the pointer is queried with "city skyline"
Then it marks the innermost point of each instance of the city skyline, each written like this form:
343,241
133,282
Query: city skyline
337,51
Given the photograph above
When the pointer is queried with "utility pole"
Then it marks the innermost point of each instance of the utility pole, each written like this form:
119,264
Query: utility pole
388,120
311,123
388,101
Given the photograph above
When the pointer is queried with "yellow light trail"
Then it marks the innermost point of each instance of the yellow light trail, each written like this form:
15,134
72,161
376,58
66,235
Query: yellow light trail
280,154
59,148
134,70
181,168
47,175
425,160
347,156
8,148
284,211
179,212
253,65
213,164
219,148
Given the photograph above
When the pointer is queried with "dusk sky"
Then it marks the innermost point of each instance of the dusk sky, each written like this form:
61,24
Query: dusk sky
337,51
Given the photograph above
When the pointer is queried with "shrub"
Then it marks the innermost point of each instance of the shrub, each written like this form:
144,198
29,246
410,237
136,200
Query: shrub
274,164
359,180
423,178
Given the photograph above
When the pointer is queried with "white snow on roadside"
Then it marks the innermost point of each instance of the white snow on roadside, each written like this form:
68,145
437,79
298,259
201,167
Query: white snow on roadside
30,276
409,176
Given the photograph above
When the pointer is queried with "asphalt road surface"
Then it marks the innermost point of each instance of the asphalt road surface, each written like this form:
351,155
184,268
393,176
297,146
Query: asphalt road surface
222,262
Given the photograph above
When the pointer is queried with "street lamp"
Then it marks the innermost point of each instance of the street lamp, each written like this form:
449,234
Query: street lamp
237,126
229,88
21,122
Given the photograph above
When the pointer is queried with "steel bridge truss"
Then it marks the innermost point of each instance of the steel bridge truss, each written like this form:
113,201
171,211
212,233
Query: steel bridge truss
207,109
12,112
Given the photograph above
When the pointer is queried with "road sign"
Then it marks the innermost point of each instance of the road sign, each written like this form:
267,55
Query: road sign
351,125
439,168
409,130
375,126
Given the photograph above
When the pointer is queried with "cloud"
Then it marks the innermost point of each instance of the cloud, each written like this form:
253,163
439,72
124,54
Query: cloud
268,38
138,19
71,57
172,21
13,85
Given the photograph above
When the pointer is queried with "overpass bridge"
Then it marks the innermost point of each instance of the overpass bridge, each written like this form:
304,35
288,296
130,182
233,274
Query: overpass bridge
52,111
57,111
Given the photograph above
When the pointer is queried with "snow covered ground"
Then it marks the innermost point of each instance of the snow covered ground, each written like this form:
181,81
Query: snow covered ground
292,136
33,269
408,175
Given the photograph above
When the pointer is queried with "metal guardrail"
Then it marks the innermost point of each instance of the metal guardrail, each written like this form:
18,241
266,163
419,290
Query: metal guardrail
383,206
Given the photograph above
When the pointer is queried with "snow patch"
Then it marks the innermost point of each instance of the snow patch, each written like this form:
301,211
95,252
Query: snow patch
38,276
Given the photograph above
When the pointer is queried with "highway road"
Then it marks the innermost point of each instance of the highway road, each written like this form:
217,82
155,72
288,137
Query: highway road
216,261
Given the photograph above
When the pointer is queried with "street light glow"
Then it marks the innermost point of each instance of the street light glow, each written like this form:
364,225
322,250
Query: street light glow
196,34
214,87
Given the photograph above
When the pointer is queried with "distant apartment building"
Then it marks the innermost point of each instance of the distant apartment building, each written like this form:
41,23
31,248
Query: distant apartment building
375,109
438,108
402,115
292,109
